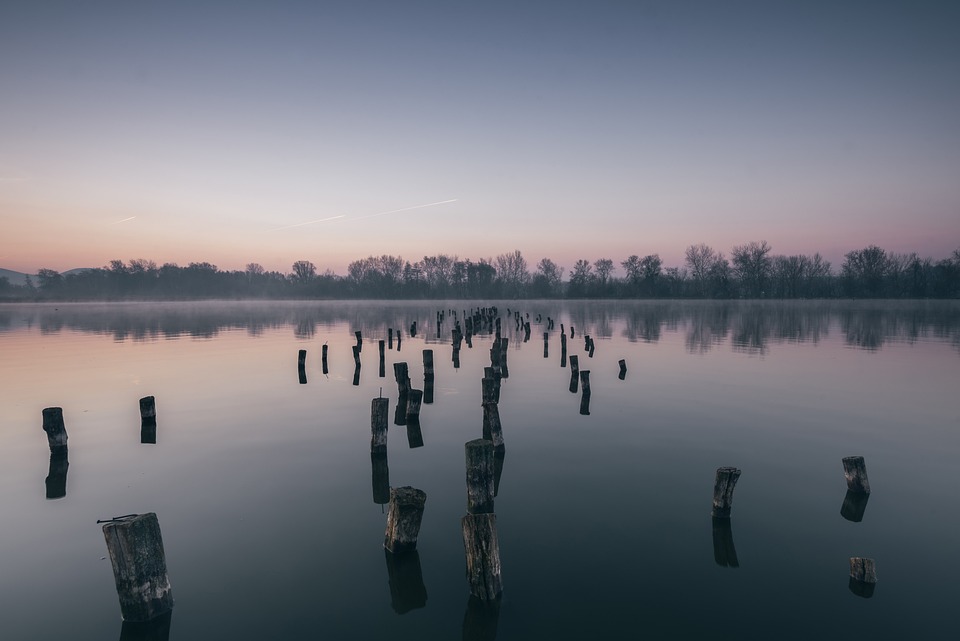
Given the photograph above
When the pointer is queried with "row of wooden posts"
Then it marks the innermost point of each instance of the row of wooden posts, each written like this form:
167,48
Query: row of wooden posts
135,545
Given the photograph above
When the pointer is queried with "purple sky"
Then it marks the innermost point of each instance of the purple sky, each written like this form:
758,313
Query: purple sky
192,131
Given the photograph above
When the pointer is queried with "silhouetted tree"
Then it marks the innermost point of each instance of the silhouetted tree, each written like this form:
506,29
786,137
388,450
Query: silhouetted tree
751,265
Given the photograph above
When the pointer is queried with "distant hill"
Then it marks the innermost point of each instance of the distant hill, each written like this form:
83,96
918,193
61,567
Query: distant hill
20,279
16,278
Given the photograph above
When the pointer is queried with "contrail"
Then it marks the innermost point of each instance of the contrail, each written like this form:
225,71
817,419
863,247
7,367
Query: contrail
382,213
311,222
122,221
394,211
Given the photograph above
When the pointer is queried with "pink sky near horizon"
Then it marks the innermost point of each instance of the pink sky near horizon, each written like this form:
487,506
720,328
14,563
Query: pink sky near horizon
561,130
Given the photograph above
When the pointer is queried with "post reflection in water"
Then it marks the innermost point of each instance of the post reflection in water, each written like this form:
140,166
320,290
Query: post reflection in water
407,591
56,480
356,375
428,390
148,431
724,551
414,435
480,619
400,412
380,472
854,506
861,588
498,457
157,629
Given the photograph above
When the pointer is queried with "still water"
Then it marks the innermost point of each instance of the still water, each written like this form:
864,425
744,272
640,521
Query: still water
264,487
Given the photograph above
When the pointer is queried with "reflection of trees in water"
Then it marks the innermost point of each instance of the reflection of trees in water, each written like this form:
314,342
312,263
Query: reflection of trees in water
750,326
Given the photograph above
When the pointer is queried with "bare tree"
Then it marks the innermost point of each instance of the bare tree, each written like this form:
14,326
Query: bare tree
512,272
751,264
603,267
304,271
700,258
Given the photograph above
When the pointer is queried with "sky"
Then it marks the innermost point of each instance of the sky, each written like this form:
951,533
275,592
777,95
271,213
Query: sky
272,132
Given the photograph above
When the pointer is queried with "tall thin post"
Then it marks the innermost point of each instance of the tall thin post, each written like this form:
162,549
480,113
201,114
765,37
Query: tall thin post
723,491
379,411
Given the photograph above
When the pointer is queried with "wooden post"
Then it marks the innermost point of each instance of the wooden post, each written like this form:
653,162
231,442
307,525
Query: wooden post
456,358
623,369
488,390
855,471
359,340
380,477
323,359
148,431
301,367
574,373
56,481
399,338
379,411
573,332
428,390
546,345
414,399
428,362
723,491
863,576
356,356
380,347
55,429
390,337
403,519
482,549
407,591
414,434
585,396
403,378
139,566
479,456
492,430
148,407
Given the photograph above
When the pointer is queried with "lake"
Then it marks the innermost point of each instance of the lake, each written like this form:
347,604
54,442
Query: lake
265,488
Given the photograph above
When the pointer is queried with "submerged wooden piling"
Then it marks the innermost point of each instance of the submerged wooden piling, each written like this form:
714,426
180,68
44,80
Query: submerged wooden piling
492,429
723,486
724,551
380,478
56,481
379,412
482,548
403,519
405,578
574,373
323,359
623,369
359,340
414,399
488,390
301,366
428,363
139,566
863,576
382,372
55,429
854,506
356,356
855,471
390,337
148,408
479,463
585,395
402,377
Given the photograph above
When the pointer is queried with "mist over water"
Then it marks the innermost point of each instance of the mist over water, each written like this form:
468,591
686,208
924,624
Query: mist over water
272,508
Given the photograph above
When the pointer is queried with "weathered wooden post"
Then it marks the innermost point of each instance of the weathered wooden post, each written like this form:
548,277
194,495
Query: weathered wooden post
402,377
855,471
863,576
723,486
379,411
574,373
399,339
724,551
380,477
623,369
504,369
356,376
479,458
403,519
585,394
148,407
356,356
592,348
492,430
407,591
488,390
482,549
546,345
359,340
428,391
390,337
55,429
139,566
428,363
456,358
573,332
413,329
414,399
56,481
854,506
380,347
323,360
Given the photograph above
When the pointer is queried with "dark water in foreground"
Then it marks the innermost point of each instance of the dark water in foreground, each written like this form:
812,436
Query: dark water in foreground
264,487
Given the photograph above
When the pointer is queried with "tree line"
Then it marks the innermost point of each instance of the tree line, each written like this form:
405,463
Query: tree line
751,270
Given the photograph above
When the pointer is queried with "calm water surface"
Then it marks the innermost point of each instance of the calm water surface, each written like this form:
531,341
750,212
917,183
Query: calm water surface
265,490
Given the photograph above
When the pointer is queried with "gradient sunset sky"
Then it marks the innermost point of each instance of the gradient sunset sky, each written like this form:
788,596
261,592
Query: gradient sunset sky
196,131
